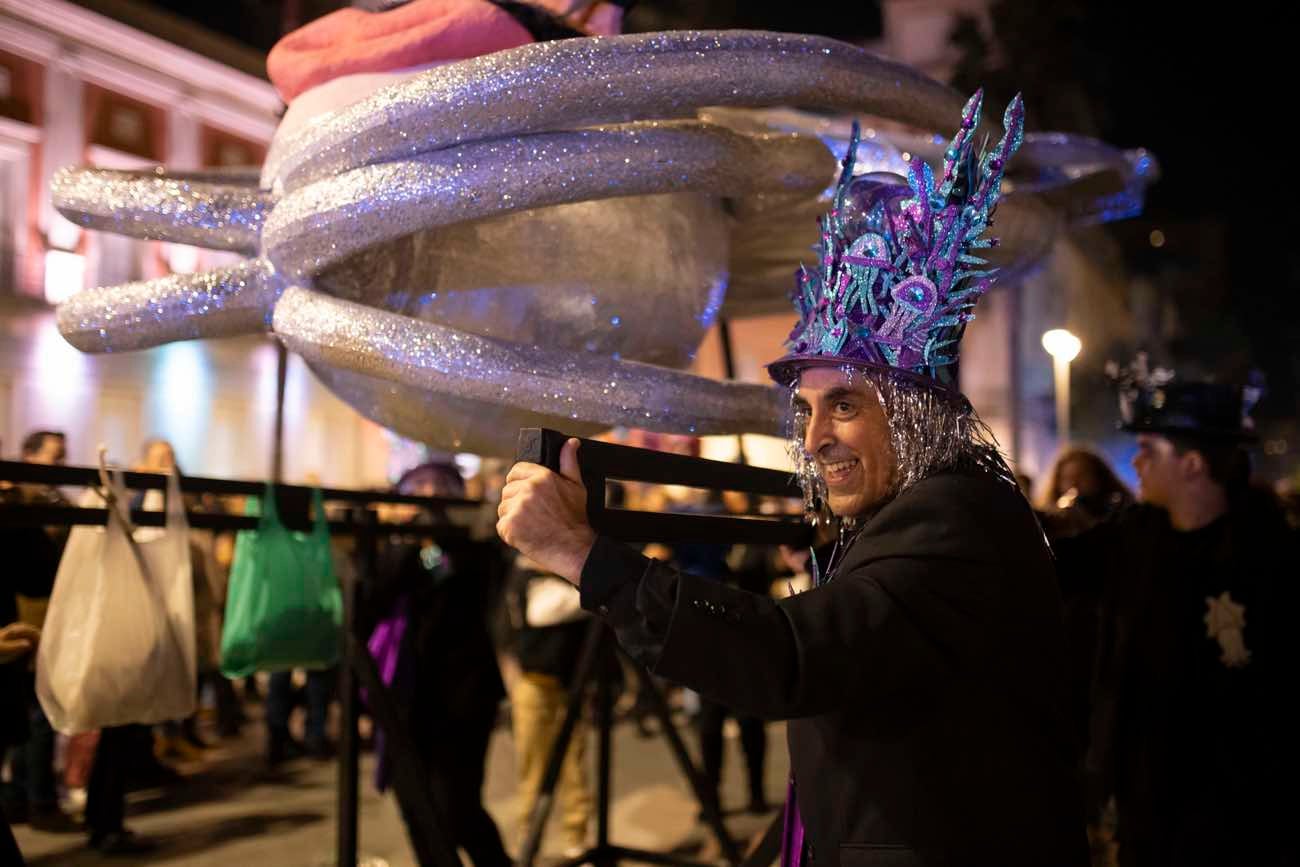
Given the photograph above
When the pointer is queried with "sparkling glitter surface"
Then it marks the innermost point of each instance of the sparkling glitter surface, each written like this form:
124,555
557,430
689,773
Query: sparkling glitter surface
559,276
222,303
581,82
155,205
464,424
581,386
323,223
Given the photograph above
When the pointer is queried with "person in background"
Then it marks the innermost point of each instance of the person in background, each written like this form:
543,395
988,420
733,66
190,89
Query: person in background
49,447
1192,729
446,676
713,562
1082,481
223,552
710,560
123,755
281,698
33,796
18,642
550,629
181,739
1082,489
316,695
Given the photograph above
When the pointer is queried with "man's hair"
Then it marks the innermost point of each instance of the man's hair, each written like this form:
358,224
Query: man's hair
35,441
1228,463
932,431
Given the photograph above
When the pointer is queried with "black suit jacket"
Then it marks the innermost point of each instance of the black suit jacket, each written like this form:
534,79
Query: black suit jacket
1196,753
924,682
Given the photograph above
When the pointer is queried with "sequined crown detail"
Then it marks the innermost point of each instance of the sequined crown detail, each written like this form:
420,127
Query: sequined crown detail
1138,374
899,274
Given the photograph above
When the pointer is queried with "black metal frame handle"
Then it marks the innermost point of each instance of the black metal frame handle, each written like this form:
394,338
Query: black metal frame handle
601,462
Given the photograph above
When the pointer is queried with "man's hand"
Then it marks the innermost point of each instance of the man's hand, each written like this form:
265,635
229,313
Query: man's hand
544,515
16,640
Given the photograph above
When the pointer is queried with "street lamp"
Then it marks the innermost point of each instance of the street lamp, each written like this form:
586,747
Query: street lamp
1063,347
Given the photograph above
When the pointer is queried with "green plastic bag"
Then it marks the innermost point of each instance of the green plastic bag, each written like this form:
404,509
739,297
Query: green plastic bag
284,609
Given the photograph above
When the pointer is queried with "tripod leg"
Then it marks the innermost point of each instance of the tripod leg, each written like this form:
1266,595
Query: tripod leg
693,775
349,769
555,760
605,725
768,848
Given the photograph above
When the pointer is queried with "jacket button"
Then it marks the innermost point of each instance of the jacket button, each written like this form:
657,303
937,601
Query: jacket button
603,610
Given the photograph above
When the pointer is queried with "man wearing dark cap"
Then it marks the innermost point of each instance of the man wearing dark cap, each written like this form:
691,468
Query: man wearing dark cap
1195,662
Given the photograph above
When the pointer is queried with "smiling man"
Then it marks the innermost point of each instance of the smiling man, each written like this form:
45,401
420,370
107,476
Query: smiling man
922,674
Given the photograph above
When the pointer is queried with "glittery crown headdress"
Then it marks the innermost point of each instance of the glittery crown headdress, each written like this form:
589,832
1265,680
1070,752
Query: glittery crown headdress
898,272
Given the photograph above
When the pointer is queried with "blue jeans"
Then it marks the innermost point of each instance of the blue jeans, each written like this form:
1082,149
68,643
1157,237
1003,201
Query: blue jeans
33,763
280,702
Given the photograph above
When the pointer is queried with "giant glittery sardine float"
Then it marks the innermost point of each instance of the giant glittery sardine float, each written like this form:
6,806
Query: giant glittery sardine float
464,230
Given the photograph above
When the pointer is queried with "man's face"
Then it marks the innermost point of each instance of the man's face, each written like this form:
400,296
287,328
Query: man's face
1160,469
53,450
847,435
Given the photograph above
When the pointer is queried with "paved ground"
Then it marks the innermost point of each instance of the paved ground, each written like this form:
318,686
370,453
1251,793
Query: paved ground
231,810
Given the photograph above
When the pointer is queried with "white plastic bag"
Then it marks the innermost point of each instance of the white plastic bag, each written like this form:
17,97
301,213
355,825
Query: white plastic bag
118,644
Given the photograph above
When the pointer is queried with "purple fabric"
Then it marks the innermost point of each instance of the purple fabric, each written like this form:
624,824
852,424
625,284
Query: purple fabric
792,830
385,642
385,646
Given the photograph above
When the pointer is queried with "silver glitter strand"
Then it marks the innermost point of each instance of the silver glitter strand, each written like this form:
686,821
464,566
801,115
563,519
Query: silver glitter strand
582,386
225,302
581,82
325,222
163,207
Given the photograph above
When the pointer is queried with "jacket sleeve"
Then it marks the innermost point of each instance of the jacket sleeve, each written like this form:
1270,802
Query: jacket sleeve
900,624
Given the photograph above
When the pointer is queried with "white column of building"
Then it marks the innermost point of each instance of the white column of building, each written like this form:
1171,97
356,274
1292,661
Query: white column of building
64,144
184,153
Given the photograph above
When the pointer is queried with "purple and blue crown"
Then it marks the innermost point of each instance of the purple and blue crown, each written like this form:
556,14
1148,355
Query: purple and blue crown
899,274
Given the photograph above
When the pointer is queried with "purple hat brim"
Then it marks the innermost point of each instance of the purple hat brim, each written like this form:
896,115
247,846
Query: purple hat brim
786,370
